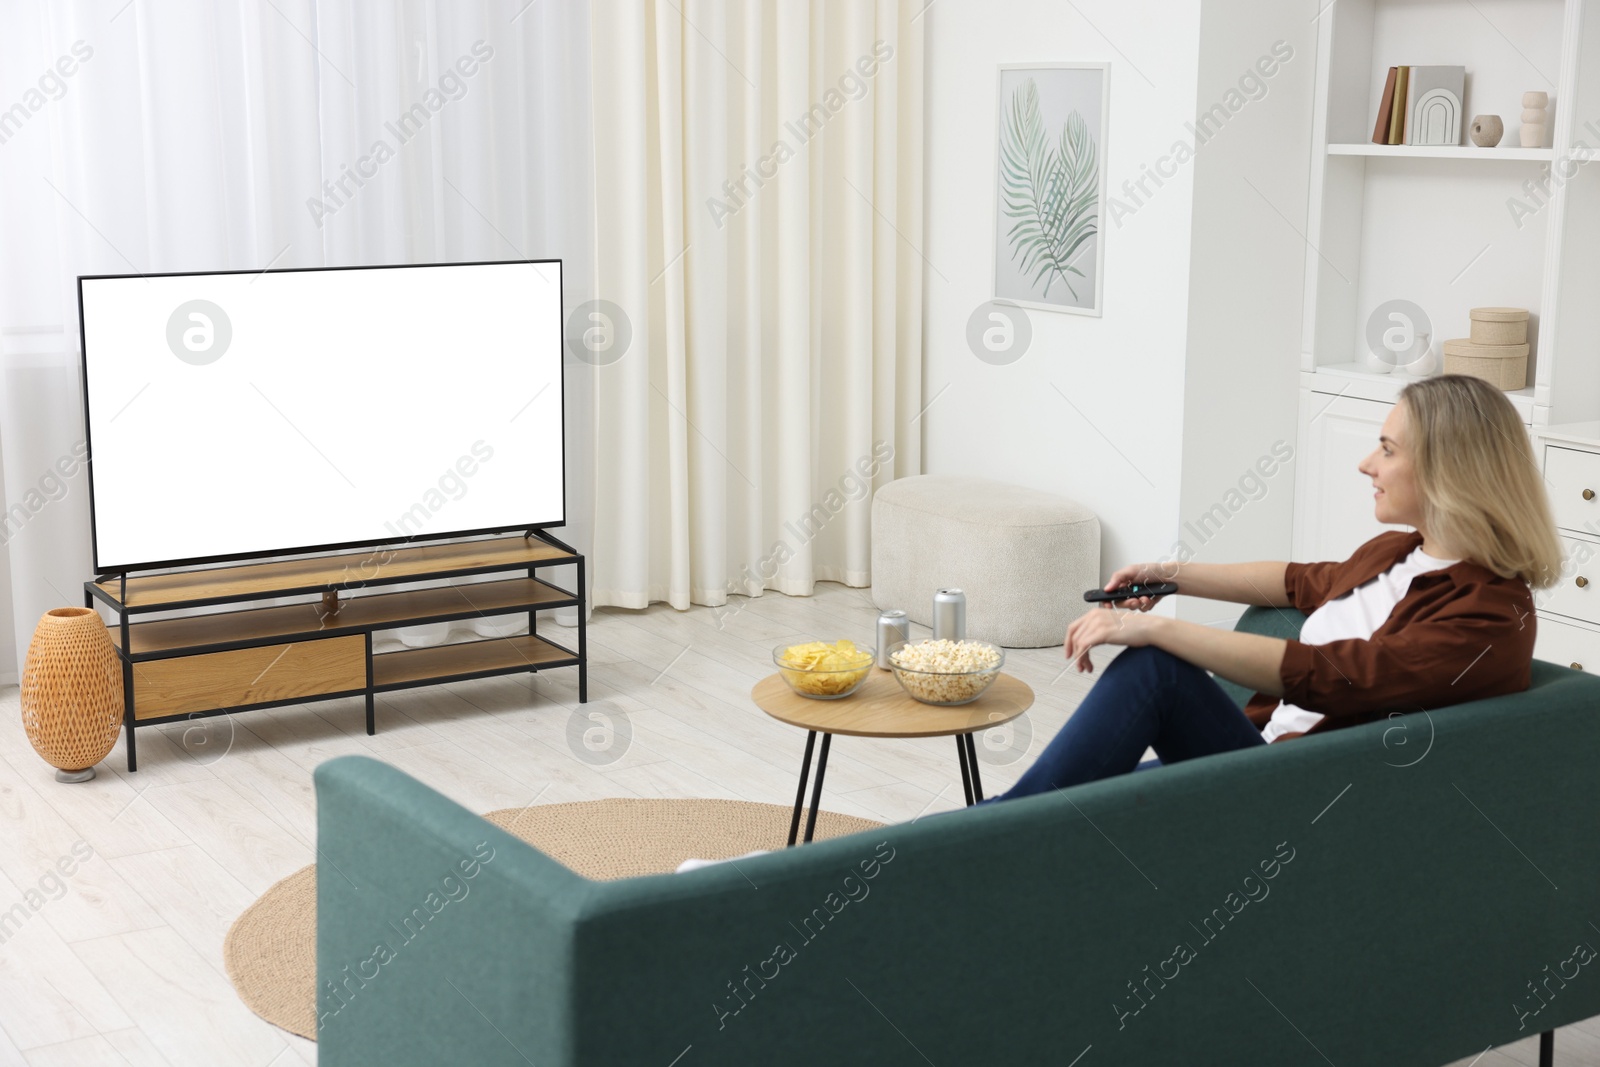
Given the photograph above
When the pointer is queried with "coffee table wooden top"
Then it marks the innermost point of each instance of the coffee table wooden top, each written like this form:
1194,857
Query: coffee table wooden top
880,708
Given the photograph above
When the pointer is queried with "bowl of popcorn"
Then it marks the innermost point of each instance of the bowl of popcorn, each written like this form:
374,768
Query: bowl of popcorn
946,672
822,671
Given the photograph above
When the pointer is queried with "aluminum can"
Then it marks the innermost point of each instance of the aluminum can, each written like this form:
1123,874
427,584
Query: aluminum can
893,627
949,615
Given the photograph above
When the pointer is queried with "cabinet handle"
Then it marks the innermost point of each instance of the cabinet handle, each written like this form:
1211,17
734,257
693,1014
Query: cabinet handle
1588,494
1581,580
1577,666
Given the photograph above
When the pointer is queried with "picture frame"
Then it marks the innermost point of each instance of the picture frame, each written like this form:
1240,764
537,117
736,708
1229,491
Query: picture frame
1051,126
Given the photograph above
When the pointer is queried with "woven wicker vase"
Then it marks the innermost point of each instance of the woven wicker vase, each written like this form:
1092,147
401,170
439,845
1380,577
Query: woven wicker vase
72,692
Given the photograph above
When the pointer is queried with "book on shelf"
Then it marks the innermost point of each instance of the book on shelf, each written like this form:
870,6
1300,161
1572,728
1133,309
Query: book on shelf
1420,106
1380,131
1397,114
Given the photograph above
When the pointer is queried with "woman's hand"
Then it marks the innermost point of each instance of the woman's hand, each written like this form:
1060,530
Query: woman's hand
1140,572
1129,629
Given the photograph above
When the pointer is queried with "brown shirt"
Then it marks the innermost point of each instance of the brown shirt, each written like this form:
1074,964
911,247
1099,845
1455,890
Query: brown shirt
1461,633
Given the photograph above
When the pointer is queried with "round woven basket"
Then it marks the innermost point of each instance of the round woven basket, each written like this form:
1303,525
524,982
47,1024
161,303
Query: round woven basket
72,690
1504,366
1500,326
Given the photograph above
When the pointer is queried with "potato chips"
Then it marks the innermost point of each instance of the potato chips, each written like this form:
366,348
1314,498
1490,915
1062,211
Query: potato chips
821,669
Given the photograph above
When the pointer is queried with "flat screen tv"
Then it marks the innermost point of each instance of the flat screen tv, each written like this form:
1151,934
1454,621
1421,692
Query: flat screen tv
240,414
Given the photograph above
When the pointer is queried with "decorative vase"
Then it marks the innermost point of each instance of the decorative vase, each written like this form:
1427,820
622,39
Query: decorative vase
72,692
1487,130
1421,361
1376,363
1534,117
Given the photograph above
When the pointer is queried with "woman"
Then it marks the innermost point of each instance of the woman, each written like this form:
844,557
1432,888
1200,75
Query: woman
1411,621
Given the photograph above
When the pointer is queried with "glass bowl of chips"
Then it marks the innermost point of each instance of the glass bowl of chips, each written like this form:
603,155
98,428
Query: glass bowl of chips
823,671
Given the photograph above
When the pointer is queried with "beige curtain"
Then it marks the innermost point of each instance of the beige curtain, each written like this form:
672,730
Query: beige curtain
756,359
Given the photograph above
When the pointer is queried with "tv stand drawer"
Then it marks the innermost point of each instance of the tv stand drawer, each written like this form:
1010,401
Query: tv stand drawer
260,675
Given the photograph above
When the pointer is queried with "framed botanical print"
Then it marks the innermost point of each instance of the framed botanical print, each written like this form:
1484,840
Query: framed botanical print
1050,184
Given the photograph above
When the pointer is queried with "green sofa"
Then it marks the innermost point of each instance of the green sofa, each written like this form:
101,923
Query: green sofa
1406,892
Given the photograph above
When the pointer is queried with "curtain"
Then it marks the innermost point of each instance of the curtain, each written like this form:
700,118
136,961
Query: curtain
756,352
185,135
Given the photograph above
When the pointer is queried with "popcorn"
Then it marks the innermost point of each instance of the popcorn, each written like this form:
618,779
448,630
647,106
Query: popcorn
944,671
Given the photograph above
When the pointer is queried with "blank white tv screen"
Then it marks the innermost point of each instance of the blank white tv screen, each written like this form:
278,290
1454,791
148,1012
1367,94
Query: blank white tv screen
253,413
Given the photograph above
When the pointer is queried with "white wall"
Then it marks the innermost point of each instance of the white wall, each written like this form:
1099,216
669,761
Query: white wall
1247,268
1124,371
1190,376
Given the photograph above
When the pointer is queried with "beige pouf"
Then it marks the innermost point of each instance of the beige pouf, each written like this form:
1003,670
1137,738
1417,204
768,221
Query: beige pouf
1023,557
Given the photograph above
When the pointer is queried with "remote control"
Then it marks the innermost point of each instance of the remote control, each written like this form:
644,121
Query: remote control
1129,592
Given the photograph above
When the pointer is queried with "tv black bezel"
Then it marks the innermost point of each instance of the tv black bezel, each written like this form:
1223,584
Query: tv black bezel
101,568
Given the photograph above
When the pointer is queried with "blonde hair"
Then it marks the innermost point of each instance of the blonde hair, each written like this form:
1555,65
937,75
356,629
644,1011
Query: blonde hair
1482,493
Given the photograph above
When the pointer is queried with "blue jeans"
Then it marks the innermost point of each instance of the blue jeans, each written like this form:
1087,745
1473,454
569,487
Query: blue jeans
1147,698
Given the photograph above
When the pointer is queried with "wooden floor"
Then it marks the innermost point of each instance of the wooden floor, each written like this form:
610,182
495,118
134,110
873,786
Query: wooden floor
122,963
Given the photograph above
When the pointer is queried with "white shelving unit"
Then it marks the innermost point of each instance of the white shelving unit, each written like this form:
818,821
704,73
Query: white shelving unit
1498,154
1441,226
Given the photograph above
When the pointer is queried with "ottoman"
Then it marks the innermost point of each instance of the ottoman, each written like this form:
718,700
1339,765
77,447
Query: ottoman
1023,557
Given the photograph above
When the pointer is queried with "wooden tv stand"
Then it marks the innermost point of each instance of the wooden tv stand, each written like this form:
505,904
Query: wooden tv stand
191,666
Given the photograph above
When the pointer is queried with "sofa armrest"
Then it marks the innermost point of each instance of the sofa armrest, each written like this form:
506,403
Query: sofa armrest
440,937
1269,622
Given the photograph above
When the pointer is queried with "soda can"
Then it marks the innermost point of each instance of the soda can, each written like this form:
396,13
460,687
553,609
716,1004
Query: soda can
949,615
893,628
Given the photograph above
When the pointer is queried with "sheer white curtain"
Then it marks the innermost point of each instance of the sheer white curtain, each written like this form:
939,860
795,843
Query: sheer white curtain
178,135
758,199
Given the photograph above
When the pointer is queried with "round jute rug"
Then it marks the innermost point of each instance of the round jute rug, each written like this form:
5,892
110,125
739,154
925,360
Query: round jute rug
271,950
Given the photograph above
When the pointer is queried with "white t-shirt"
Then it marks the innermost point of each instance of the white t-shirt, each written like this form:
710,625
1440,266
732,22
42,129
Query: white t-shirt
1357,614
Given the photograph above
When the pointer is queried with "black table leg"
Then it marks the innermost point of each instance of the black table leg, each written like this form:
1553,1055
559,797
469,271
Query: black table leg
128,720
972,761
816,790
1547,1049
800,794
966,777
372,711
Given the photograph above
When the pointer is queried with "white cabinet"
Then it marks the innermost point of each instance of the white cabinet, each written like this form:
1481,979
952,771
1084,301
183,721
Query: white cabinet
1333,500
1567,645
1572,477
1577,595
1569,611
1437,231
1422,235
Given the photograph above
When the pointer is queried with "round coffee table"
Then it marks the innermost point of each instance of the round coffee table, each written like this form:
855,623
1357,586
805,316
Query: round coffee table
880,708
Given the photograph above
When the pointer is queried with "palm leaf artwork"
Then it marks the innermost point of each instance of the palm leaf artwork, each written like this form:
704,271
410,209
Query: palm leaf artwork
1051,192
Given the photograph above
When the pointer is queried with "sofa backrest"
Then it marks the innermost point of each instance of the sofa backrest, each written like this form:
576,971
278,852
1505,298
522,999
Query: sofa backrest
1423,872
1407,891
